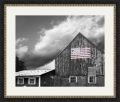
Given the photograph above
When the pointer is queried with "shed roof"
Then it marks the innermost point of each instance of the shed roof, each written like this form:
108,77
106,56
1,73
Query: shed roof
32,72
38,71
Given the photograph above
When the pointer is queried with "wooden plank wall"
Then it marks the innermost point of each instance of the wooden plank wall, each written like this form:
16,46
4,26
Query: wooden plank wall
65,66
62,63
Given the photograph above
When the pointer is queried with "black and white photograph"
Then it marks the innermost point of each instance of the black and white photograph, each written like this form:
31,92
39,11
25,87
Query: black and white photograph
60,51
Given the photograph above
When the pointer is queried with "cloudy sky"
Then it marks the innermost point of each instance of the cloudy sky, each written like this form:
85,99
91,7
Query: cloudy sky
40,38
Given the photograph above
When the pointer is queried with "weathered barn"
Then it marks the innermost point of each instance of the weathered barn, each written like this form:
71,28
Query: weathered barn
80,71
34,78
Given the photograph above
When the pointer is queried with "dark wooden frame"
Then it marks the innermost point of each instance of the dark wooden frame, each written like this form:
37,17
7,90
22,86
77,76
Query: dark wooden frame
85,99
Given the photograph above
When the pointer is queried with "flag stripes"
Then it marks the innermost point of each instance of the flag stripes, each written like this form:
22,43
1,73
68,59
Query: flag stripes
80,53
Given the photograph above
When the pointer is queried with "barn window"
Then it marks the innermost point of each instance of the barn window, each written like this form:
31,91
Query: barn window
92,79
20,81
31,81
72,79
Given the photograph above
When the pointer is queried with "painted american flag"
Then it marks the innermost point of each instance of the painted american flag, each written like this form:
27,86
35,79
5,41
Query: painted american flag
80,53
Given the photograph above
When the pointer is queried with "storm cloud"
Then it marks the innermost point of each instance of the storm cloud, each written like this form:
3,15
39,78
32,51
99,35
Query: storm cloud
21,49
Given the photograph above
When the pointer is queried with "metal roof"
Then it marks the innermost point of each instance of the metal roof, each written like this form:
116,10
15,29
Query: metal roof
31,72
47,66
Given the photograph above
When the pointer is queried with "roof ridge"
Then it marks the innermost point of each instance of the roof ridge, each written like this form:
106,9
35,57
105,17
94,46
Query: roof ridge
67,45
34,70
72,41
91,42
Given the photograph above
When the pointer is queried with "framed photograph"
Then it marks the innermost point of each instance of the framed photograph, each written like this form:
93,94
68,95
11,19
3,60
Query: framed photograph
60,51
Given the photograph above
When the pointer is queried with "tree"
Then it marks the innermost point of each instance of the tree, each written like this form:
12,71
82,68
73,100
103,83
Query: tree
20,65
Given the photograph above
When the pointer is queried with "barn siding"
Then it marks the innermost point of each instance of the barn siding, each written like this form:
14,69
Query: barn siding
62,63
57,81
56,66
47,79
64,82
81,81
100,80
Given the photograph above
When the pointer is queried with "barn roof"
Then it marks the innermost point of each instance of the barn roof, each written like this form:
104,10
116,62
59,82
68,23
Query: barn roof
75,38
91,43
32,72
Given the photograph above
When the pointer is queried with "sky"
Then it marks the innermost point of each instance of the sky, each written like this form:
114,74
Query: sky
39,39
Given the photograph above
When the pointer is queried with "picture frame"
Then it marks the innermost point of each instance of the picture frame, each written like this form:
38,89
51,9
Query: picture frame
61,96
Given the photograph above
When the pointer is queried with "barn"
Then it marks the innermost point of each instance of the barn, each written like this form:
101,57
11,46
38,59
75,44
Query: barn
84,67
